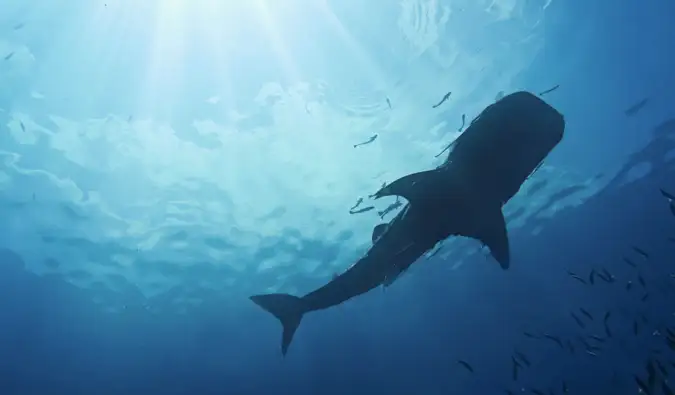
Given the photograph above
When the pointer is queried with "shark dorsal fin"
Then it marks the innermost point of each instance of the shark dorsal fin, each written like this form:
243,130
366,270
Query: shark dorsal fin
495,237
378,231
405,186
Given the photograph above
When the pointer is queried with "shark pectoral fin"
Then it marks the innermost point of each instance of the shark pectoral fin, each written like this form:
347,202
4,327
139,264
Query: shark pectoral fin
496,238
378,231
404,186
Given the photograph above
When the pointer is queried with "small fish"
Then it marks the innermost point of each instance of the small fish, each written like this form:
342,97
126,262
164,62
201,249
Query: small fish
584,342
447,147
642,281
591,277
466,365
608,331
19,26
370,140
357,204
642,386
388,103
593,348
670,343
565,389
9,56
531,336
605,322
636,329
629,262
586,313
591,353
514,369
362,210
555,339
606,276
651,374
607,315
597,338
446,97
662,368
384,185
434,252
23,127
645,297
549,90
667,195
578,321
570,346
463,123
579,279
635,108
537,392
641,252
629,285
523,358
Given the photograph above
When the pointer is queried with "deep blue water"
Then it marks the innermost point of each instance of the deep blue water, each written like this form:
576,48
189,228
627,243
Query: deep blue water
160,162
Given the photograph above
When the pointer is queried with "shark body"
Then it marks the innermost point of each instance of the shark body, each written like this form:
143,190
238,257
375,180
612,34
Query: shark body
486,167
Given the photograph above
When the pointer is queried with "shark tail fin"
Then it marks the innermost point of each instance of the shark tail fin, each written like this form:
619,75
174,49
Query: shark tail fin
496,238
287,308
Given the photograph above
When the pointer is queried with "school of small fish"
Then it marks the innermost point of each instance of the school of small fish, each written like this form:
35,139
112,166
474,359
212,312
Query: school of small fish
614,327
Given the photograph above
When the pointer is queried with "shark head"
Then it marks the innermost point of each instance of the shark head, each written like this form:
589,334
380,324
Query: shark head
486,167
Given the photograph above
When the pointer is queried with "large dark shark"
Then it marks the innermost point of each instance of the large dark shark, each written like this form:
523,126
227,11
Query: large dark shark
464,196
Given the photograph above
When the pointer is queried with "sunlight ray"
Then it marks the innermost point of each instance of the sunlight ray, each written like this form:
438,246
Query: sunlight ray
218,37
278,45
370,68
93,38
164,71
102,24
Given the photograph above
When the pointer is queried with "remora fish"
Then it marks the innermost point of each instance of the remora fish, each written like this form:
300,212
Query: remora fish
641,252
466,365
486,166
578,321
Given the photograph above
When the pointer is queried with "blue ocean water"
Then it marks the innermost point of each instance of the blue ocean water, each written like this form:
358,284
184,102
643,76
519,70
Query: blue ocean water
163,160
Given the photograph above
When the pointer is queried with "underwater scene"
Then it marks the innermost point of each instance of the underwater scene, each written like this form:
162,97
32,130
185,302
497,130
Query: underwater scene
332,197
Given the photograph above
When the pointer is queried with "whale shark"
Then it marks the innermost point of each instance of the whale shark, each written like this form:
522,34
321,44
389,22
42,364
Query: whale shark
464,196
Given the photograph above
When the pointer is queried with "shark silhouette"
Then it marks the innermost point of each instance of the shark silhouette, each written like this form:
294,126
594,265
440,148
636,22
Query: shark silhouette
464,196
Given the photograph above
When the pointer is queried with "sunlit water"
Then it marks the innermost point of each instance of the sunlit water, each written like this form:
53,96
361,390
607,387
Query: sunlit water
208,145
